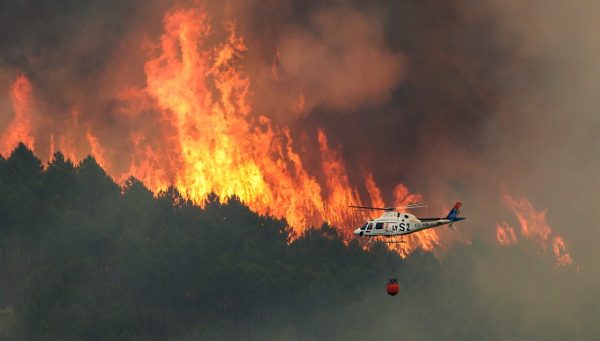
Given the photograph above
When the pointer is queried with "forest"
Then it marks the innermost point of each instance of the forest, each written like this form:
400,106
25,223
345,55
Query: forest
83,258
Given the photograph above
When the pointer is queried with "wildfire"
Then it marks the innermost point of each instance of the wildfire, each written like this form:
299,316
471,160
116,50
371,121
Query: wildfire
210,140
533,226
374,191
96,149
505,234
533,223
560,251
19,129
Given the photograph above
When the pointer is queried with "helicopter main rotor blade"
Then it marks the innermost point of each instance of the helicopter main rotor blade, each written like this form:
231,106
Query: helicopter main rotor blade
372,208
415,205
409,206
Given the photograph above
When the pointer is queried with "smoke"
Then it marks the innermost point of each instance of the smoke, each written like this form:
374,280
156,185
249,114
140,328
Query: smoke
541,134
338,61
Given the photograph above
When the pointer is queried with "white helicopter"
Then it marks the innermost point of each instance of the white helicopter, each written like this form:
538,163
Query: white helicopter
394,223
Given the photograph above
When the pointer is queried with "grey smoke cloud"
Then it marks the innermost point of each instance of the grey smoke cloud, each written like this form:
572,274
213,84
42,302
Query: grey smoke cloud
339,61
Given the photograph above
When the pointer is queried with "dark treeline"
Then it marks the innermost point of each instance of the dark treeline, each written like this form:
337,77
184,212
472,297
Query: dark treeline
83,258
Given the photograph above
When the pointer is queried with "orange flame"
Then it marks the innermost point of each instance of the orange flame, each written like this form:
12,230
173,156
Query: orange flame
560,252
210,140
221,147
533,223
374,191
403,197
505,234
19,129
97,150
68,140
52,147
534,226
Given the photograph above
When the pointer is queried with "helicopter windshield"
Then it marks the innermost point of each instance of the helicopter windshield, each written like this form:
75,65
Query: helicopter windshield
362,228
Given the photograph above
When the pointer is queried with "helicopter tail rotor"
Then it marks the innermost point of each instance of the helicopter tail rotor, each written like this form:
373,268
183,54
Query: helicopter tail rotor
453,215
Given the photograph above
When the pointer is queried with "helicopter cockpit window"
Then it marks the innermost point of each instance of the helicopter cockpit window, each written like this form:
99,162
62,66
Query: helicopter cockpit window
379,226
369,227
362,228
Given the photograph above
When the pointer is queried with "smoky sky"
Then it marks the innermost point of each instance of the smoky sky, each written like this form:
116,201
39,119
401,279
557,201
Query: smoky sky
458,100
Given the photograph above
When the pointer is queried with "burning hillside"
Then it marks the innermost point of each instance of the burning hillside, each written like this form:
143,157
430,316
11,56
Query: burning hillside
297,120
210,139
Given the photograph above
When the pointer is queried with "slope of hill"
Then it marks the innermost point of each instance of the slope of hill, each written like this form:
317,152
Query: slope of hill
83,258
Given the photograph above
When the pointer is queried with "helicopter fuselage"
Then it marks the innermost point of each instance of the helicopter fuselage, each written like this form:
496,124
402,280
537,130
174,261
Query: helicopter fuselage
399,223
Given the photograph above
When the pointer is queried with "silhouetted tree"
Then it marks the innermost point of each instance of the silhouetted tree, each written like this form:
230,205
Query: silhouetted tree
84,258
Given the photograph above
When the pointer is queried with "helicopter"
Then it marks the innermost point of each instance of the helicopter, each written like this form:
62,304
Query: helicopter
394,223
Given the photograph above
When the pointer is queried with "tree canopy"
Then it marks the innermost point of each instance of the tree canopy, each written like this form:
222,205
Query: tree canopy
84,258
